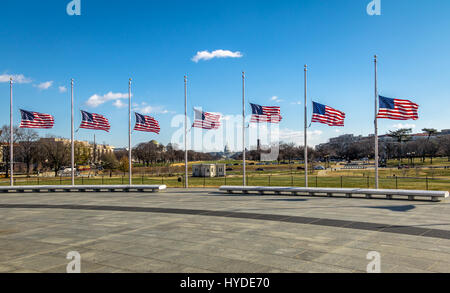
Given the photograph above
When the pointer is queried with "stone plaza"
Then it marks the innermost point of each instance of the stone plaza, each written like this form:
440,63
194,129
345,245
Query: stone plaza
204,230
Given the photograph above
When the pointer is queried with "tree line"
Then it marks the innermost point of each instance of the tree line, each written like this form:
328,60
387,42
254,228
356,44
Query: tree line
399,145
37,154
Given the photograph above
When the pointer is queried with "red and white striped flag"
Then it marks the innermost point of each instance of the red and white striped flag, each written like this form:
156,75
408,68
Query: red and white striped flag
94,121
397,109
260,114
206,120
146,124
327,115
36,120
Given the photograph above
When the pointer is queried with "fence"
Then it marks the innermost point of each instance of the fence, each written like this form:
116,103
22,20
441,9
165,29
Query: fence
294,180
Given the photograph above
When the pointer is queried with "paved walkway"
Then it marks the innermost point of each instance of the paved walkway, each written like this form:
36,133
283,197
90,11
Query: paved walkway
206,231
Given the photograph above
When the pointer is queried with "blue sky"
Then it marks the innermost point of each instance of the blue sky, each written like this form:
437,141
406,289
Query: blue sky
153,42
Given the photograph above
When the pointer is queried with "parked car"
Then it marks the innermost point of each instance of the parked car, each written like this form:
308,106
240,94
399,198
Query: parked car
319,168
300,168
259,169
229,169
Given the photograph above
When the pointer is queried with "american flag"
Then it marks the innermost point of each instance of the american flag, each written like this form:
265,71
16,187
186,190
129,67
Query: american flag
397,109
327,115
206,120
94,121
265,114
146,123
36,120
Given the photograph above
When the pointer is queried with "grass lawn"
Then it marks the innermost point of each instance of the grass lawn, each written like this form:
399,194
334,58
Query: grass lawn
420,178
441,161
296,180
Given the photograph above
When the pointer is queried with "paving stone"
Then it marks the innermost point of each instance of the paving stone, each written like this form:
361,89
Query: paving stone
7,268
85,267
38,262
201,231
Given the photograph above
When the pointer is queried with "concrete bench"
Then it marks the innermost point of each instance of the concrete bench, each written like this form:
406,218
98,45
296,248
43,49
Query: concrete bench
83,188
348,192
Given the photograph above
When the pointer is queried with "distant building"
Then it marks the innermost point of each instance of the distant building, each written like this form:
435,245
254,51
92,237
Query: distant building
226,152
350,138
224,155
445,132
346,138
384,138
92,150
417,136
208,170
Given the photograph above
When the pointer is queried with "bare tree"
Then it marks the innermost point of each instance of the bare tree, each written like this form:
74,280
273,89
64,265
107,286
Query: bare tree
401,135
109,161
56,154
28,147
148,152
444,143
5,140
431,148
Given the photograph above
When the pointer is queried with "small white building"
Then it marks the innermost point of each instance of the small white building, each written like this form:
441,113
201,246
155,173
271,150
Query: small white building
208,170
220,170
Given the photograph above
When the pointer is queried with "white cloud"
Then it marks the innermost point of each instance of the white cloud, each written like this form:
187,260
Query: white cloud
97,100
17,78
226,117
297,136
401,125
288,135
296,103
276,99
206,55
143,108
62,89
44,85
119,104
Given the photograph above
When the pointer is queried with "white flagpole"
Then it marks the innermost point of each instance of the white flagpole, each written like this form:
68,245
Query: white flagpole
95,150
129,135
11,134
72,154
243,128
306,131
186,175
376,124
